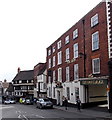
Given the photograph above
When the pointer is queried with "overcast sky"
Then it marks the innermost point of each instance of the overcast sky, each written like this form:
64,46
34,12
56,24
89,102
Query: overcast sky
28,27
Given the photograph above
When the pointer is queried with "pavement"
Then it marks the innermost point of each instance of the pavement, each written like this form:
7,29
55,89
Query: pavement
94,112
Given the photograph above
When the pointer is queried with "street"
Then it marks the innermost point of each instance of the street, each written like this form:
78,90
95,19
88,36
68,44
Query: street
30,111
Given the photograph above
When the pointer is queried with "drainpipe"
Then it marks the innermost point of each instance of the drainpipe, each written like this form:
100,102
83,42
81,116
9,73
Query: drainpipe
84,55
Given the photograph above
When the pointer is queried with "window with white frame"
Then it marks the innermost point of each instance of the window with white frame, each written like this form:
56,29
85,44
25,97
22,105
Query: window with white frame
75,33
94,20
68,93
50,63
67,54
96,65
76,73
59,57
54,77
60,74
59,44
67,39
49,52
44,85
76,50
95,41
53,49
54,60
67,74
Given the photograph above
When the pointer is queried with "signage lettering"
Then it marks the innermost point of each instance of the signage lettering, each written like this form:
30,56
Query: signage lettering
92,82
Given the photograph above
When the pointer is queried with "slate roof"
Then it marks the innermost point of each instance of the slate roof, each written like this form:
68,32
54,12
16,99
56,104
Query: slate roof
24,75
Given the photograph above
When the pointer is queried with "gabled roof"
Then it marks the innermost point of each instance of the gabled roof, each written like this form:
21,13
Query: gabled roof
24,75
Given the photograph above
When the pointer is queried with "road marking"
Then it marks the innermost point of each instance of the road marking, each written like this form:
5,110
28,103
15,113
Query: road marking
40,116
6,107
19,116
25,117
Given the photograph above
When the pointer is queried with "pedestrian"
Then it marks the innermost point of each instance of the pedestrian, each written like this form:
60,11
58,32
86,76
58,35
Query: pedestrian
63,99
66,103
78,101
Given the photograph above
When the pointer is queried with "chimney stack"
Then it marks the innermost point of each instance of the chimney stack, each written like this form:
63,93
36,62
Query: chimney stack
5,80
18,70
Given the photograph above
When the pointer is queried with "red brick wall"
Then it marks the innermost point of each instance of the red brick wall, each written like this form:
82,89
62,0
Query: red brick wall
37,68
102,53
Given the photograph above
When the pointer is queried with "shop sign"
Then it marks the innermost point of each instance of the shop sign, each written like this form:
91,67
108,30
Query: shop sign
93,82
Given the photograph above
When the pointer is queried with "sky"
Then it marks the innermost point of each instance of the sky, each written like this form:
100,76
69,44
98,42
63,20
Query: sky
28,27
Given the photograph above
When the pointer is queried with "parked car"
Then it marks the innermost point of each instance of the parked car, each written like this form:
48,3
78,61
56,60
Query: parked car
28,101
12,101
44,103
6,101
9,101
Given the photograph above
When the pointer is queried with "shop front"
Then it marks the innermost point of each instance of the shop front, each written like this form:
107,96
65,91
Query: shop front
95,89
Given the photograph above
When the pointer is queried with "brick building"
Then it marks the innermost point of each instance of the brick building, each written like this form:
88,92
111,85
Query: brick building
40,89
77,62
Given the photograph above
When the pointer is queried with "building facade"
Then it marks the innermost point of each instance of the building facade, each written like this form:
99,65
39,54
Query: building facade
77,62
23,84
40,89
5,85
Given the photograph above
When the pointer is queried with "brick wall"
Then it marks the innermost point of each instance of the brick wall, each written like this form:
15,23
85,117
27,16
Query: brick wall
101,53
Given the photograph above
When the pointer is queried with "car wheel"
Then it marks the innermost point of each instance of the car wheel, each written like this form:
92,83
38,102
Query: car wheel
37,106
52,106
40,106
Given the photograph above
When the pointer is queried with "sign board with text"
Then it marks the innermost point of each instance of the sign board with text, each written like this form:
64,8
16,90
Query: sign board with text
93,82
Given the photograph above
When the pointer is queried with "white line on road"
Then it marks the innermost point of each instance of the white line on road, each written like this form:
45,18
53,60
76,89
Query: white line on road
40,116
25,117
6,107
19,116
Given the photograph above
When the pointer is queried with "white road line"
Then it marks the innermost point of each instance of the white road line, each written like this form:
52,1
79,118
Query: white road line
40,116
6,107
25,117
19,116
